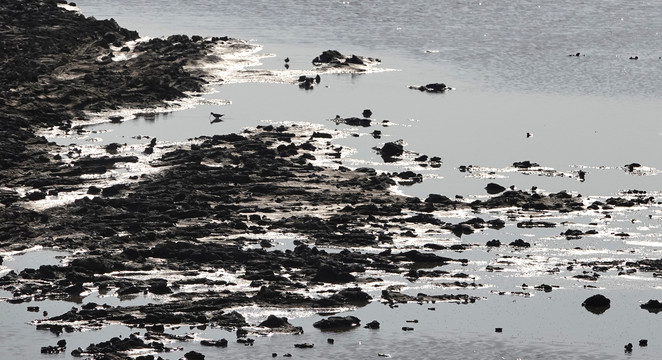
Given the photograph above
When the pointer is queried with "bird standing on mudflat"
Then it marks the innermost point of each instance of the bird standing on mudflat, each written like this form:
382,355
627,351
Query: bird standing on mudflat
217,118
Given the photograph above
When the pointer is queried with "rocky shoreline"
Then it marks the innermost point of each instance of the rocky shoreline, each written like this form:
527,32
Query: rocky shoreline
205,217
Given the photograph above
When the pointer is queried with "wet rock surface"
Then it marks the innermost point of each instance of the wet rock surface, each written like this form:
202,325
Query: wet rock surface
334,59
204,217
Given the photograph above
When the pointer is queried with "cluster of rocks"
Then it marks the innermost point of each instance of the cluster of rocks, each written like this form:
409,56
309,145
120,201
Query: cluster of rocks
333,58
59,64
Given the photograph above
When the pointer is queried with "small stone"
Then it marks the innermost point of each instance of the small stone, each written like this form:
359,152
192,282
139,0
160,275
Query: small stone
628,348
498,330
643,342
372,325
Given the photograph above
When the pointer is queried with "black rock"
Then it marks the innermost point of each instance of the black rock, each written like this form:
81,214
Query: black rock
493,188
597,304
524,164
494,243
337,323
391,149
372,325
653,306
331,274
274,321
520,243
216,343
194,355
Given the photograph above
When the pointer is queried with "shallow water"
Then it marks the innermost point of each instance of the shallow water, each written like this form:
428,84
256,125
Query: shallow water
509,66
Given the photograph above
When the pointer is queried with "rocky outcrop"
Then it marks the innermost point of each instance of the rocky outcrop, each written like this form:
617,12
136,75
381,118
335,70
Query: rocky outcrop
334,59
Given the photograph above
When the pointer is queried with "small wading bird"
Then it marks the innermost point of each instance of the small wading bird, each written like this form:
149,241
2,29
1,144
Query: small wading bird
217,118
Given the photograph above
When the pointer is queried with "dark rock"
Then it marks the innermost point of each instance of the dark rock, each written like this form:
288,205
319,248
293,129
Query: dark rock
628,348
493,188
632,166
653,306
331,274
493,243
354,296
112,148
304,346
194,355
432,88
520,243
216,343
337,323
372,325
159,287
335,59
543,287
281,323
51,349
354,121
525,164
391,149
535,224
597,304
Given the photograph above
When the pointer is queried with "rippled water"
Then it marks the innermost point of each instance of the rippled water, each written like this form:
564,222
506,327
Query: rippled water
508,62
513,45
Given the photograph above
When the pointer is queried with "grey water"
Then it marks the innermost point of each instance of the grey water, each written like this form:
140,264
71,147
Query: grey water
508,62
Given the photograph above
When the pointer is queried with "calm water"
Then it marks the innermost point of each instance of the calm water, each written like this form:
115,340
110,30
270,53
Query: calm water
508,62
